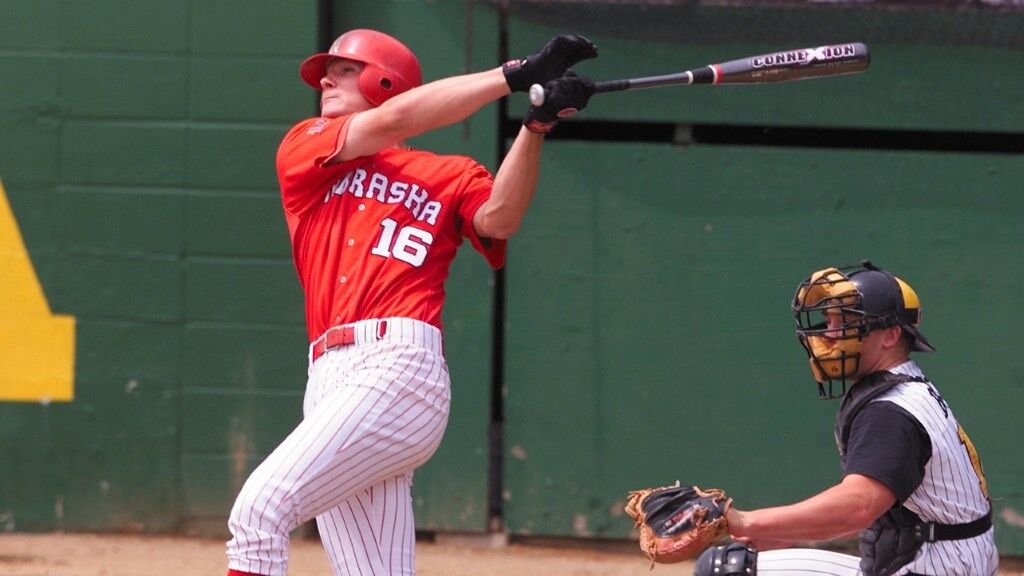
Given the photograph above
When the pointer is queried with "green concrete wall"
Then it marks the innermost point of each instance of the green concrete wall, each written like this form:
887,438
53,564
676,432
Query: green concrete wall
137,152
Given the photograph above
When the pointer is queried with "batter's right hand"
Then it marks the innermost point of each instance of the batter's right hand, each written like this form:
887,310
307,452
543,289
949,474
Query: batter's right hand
549,63
563,97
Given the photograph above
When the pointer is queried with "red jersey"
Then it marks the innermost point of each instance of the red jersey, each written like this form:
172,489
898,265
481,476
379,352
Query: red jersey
374,237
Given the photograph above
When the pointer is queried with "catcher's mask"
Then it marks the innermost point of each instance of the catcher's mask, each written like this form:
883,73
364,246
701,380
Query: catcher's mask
865,298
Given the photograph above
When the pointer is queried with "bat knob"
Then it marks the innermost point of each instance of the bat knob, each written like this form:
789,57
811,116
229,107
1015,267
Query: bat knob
536,95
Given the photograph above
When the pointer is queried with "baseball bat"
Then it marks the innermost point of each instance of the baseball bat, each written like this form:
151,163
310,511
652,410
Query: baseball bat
785,66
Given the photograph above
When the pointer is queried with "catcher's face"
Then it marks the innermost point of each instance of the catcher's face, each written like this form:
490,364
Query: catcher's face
835,348
831,327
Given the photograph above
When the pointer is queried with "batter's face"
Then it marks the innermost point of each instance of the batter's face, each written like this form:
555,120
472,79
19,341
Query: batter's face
340,89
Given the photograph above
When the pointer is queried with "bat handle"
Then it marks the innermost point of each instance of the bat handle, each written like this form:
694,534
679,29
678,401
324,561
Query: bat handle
537,91
536,95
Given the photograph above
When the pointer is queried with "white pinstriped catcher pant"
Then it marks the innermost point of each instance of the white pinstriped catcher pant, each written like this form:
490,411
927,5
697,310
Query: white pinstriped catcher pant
374,411
806,562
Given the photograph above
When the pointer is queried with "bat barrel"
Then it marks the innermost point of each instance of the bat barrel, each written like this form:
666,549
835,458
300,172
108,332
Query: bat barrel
786,66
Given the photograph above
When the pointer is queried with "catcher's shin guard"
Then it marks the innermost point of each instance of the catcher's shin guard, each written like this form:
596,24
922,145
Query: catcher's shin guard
727,560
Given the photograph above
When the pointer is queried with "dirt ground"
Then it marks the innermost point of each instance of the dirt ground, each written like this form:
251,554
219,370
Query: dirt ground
115,555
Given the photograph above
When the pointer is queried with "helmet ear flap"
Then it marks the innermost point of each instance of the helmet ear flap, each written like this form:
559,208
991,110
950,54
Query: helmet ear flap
377,85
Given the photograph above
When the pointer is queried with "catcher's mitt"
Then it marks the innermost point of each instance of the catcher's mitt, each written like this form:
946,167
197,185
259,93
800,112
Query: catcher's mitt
678,522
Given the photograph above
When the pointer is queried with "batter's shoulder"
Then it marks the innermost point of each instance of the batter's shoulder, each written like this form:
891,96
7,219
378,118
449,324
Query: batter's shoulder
311,125
450,163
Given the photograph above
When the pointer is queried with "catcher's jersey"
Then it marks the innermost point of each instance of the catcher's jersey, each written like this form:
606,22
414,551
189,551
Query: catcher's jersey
374,237
953,489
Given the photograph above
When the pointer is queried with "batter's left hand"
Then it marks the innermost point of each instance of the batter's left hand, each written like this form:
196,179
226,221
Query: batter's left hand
549,63
563,97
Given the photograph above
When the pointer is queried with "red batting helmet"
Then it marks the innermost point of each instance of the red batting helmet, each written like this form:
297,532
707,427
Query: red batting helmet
390,67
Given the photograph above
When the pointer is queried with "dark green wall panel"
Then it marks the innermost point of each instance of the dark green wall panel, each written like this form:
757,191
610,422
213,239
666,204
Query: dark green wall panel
121,154
236,224
247,89
123,25
98,221
233,157
29,25
210,484
29,151
238,421
132,354
241,291
152,87
36,208
245,357
113,287
650,288
254,28
27,78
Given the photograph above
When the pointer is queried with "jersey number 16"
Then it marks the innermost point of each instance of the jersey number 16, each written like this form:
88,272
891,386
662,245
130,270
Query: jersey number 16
410,245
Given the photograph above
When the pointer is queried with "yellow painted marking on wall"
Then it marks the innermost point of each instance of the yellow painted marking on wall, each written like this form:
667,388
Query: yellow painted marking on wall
37,347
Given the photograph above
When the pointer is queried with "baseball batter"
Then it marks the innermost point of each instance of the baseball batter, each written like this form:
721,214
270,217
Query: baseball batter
913,485
374,226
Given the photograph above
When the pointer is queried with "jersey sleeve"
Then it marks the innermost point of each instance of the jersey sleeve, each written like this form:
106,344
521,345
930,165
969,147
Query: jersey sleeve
888,444
302,158
476,191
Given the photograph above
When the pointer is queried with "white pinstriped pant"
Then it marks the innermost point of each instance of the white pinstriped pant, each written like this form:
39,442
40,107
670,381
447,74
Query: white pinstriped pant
806,562
374,411
811,562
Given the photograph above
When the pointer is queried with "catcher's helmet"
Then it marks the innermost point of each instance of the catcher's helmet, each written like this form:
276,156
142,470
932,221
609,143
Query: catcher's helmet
867,298
390,67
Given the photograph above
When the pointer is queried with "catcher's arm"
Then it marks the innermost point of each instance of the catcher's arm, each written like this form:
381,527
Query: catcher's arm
763,544
850,506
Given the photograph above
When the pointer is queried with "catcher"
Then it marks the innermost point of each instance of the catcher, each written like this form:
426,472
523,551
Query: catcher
913,486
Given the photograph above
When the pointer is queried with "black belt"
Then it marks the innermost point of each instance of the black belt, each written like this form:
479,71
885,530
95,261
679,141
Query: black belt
933,531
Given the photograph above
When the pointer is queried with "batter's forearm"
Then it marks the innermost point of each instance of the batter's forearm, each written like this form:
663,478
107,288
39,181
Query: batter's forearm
448,101
514,186
420,110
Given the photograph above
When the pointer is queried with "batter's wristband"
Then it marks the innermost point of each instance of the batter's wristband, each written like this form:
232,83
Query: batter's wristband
514,76
539,121
538,127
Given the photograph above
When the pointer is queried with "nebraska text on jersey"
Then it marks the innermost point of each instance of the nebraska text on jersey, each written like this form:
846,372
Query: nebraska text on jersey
367,185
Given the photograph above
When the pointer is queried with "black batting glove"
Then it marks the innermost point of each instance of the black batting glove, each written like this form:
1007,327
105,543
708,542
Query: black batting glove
550,62
563,97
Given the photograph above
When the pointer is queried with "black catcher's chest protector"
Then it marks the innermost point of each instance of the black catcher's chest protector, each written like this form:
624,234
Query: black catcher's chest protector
895,537
889,543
